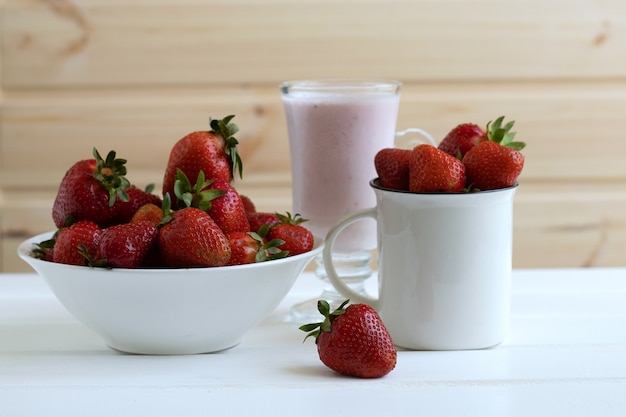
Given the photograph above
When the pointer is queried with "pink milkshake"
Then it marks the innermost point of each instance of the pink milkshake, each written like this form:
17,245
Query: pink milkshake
335,129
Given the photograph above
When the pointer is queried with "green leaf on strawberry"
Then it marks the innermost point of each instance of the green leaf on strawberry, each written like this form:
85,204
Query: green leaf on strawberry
503,135
226,130
197,195
111,173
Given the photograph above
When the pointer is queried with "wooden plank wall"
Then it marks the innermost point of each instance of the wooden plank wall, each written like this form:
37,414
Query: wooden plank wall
136,75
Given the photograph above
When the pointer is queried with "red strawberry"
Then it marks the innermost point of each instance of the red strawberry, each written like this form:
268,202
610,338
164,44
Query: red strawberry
496,162
126,245
217,197
249,247
45,250
297,239
353,341
392,167
213,152
192,239
462,138
148,212
75,244
248,205
228,210
243,247
124,210
89,190
431,170
261,218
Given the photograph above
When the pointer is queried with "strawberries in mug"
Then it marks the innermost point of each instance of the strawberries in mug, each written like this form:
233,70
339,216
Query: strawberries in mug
468,159
392,167
431,170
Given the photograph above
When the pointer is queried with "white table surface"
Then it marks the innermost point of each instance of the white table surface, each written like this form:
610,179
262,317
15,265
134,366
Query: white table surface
565,356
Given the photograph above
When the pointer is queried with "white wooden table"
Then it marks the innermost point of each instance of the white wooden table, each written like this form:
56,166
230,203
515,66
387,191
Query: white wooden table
566,356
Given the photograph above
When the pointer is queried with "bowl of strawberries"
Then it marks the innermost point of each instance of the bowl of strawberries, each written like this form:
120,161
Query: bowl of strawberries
190,270
170,310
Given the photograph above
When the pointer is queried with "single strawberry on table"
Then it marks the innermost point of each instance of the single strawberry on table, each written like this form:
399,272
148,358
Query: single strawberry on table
392,167
432,170
89,190
298,239
353,340
496,162
213,152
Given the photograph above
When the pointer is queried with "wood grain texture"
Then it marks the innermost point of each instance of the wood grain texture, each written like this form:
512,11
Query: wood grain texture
137,75
102,43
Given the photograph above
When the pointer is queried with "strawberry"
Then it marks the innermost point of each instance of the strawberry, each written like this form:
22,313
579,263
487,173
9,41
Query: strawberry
89,189
45,250
353,341
248,204
148,212
228,210
431,170
392,167
217,197
213,152
249,247
297,239
243,247
462,138
126,245
124,210
190,238
260,218
496,162
75,244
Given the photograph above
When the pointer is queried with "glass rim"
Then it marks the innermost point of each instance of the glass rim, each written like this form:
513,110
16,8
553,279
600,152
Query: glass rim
341,85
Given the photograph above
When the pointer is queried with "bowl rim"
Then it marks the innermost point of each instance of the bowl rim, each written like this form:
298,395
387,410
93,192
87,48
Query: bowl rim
24,251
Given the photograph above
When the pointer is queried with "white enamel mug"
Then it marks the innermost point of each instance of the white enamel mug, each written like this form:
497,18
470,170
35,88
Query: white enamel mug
444,266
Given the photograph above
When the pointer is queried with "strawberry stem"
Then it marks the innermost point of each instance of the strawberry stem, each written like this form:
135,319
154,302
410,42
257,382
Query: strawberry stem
502,134
323,307
111,174
226,130
198,195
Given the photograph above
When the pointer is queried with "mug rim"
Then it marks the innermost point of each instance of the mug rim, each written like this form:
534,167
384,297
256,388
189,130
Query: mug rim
375,183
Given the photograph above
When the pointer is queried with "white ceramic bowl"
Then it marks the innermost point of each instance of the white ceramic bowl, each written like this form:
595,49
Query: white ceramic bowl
170,311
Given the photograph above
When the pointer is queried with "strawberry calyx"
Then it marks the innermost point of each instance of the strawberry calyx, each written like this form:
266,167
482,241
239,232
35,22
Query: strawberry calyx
166,206
269,250
226,130
198,195
110,172
288,218
502,134
40,250
90,261
314,329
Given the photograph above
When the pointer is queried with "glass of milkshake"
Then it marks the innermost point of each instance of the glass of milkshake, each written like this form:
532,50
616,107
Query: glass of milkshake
335,129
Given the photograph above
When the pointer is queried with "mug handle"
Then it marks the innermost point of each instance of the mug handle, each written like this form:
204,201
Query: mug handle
331,272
